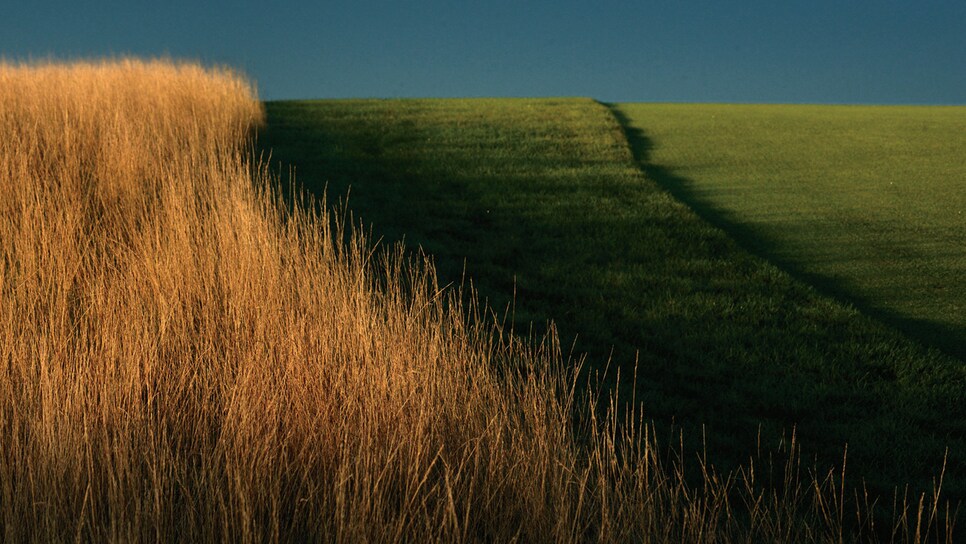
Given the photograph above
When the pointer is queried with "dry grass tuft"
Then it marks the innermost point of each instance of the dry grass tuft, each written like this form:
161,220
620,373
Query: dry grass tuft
185,358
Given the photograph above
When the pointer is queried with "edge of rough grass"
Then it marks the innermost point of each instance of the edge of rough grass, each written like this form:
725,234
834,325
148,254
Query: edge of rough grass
865,202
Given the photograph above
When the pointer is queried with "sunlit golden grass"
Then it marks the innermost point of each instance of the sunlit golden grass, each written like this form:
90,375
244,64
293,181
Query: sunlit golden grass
184,357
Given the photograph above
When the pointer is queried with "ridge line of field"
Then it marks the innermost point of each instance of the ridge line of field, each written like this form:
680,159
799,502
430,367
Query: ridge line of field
739,233
880,257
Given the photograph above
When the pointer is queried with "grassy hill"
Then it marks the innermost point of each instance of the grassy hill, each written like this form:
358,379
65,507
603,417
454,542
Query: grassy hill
868,203
542,205
185,355
185,358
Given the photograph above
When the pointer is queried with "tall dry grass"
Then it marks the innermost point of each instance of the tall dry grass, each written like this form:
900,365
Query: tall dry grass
184,357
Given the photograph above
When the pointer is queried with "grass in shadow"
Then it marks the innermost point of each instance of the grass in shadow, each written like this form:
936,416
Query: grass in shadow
542,205
854,249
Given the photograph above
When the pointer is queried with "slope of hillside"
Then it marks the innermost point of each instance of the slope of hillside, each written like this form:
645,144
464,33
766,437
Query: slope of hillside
540,204
186,357
869,203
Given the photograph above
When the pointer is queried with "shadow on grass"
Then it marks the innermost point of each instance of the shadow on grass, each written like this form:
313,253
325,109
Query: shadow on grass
550,215
947,339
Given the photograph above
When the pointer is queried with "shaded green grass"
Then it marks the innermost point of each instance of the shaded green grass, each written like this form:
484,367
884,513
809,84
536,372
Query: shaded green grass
869,203
541,204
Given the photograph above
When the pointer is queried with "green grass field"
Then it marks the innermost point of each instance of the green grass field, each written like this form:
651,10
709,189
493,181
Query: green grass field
542,204
869,203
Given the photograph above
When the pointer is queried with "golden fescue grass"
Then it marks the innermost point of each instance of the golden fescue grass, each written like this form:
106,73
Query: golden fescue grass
184,357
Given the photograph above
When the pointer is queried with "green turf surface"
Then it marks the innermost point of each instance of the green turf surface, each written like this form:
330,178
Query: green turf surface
868,203
543,198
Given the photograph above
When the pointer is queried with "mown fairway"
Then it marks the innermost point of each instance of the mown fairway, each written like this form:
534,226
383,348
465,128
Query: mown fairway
542,199
866,202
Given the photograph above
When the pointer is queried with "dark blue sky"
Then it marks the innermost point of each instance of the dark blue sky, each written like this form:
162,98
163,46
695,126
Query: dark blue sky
820,51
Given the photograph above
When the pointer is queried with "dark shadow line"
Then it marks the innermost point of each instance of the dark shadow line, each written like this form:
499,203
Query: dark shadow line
939,336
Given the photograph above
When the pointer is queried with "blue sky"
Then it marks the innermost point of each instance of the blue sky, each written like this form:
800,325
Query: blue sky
844,51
